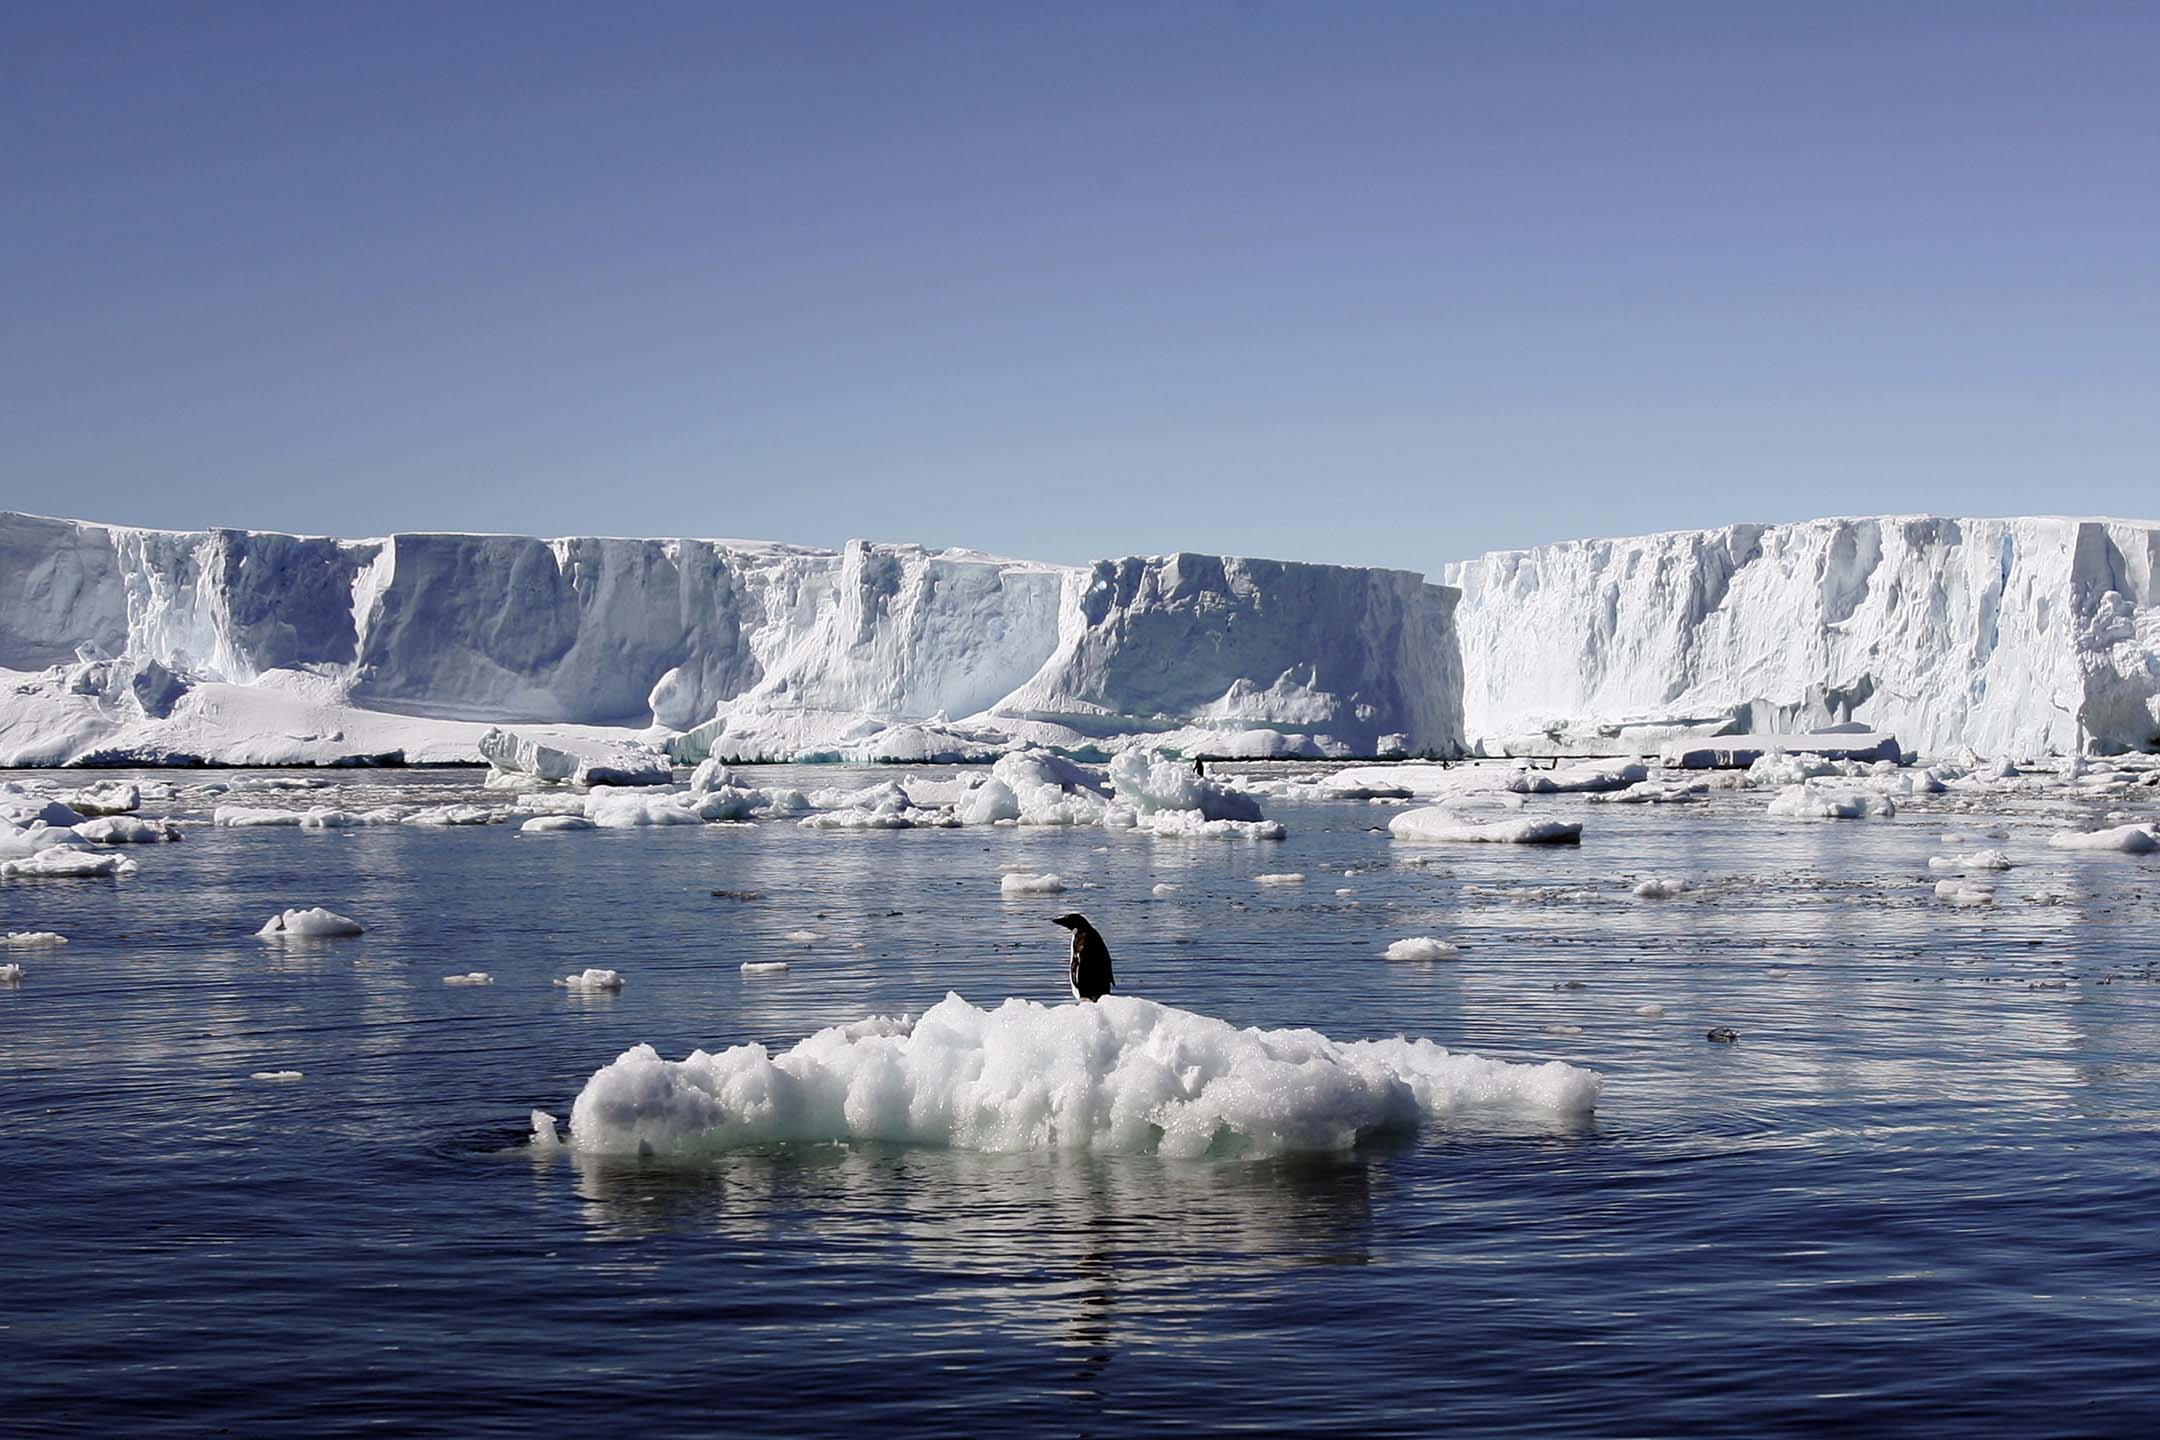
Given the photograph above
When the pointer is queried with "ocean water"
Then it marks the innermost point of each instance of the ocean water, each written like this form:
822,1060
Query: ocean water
1916,1197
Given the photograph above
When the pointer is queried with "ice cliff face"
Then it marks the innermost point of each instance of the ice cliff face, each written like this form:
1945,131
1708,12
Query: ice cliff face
2005,635
798,649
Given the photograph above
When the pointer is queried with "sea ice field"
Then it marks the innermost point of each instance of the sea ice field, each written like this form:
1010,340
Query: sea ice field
359,1102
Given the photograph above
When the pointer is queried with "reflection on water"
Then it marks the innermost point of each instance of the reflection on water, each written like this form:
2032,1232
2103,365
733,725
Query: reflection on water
1913,1197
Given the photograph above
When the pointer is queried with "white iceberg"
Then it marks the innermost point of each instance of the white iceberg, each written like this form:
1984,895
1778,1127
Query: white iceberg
1438,823
591,980
1421,947
313,923
63,862
1123,1075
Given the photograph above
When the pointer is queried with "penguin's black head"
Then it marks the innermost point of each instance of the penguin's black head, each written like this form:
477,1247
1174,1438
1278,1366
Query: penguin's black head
1070,922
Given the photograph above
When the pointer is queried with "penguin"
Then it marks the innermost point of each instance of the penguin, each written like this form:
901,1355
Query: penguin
1091,977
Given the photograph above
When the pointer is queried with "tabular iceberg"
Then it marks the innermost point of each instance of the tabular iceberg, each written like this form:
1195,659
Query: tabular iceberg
2010,636
147,646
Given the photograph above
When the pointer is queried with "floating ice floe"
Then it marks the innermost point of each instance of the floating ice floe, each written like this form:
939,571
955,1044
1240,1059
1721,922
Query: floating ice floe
1148,781
1594,775
1120,1075
470,977
1964,893
277,1077
1421,947
1022,884
313,923
2128,839
126,830
1656,792
118,797
1437,823
11,973
1978,860
1813,802
579,762
1288,877
803,937
1164,888
454,815
591,979
544,824
764,967
1651,1012
31,939
63,862
1660,887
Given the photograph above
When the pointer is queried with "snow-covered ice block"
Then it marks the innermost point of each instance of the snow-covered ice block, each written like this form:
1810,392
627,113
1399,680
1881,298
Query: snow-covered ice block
115,797
1288,877
313,923
764,967
1978,860
592,979
2128,839
454,815
62,862
11,973
1660,887
1964,892
126,830
1594,775
1120,1075
277,1077
542,824
1434,822
1816,802
1020,884
1739,752
577,762
470,977
1421,947
31,939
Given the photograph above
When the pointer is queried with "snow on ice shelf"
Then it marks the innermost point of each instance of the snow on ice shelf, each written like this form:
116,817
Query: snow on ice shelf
1123,1075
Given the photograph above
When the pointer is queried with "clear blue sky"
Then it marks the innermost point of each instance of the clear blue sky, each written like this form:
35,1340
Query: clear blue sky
1373,283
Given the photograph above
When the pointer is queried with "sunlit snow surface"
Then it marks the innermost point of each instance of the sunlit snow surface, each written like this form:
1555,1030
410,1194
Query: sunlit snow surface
1835,1222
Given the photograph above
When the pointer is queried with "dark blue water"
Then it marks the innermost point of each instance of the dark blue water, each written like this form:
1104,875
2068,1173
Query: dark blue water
1917,1197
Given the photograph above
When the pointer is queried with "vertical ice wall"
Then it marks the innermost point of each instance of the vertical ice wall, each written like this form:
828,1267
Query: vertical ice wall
2003,634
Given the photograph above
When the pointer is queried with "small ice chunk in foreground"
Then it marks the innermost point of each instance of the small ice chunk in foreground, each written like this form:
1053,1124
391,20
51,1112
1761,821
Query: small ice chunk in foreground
314,923
470,977
126,830
1978,860
541,824
804,937
1964,893
9,974
1437,823
1421,947
1289,877
1165,888
592,980
1022,884
276,1077
1660,887
1651,1012
764,967
544,1136
31,939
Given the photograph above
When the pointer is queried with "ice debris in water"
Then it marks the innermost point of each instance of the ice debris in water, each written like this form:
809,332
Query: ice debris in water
126,830
804,937
544,823
1660,887
470,977
764,967
2129,839
1288,877
1121,1075
1651,1012
313,923
9,974
1814,802
1023,884
1164,888
590,979
1978,860
276,1077
1435,822
1964,893
32,939
1421,947
66,863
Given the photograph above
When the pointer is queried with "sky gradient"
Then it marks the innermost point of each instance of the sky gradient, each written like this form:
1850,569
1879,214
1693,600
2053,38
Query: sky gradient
1374,284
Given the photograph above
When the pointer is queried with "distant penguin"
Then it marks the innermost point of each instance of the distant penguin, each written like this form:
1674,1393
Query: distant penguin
1091,977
